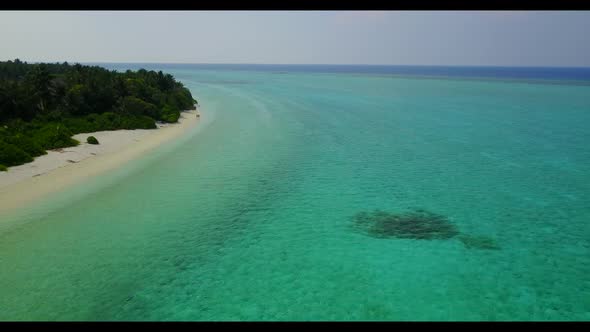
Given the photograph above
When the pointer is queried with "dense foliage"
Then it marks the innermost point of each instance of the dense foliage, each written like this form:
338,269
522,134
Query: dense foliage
92,140
43,105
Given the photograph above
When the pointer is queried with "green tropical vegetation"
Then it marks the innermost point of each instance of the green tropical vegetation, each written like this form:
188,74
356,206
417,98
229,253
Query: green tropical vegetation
92,140
43,105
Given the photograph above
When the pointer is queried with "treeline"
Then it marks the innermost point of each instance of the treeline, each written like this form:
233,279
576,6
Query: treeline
43,105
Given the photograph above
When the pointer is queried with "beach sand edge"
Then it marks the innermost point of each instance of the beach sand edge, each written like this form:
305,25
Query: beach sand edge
59,169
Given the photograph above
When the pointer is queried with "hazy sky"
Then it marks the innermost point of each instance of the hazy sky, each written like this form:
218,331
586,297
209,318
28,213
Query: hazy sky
338,37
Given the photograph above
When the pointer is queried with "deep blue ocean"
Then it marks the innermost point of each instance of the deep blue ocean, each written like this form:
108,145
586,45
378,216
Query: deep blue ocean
490,72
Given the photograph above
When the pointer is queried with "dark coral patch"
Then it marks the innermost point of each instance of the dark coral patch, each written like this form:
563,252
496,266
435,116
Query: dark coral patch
419,225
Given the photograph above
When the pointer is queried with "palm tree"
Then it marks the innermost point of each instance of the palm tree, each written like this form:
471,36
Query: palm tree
40,80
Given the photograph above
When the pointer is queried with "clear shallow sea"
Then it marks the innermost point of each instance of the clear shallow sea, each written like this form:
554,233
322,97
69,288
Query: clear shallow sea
250,217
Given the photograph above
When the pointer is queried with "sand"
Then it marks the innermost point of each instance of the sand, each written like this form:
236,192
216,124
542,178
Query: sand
58,169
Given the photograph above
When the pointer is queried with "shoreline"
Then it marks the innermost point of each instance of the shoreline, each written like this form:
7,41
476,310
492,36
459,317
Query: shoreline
61,168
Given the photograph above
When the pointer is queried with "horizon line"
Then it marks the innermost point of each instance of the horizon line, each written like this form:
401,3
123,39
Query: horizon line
335,64
309,64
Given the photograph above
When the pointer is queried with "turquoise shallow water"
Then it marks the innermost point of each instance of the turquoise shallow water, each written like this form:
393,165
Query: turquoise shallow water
249,218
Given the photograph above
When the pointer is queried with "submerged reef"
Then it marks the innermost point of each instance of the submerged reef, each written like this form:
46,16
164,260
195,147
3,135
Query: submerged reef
417,225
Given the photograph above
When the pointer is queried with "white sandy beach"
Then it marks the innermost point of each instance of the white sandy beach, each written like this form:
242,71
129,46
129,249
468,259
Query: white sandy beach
60,168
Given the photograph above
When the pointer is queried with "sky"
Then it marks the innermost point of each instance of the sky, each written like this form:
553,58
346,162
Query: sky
486,38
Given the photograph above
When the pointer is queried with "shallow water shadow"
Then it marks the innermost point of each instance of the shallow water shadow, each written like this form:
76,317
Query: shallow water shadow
417,225
478,242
